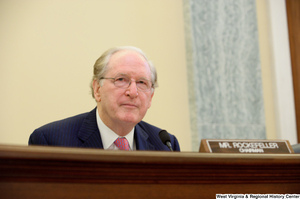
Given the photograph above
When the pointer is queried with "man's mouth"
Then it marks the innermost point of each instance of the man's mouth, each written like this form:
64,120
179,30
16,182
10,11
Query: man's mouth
129,105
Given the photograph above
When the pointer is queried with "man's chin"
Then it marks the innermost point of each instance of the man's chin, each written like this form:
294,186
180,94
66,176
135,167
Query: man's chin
131,119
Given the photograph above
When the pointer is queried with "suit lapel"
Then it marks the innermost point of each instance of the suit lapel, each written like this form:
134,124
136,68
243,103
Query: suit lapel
89,132
141,139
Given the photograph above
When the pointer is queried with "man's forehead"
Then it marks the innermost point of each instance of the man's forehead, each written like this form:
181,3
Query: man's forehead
127,55
127,58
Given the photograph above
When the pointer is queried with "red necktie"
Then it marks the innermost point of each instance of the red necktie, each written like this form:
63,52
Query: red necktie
122,144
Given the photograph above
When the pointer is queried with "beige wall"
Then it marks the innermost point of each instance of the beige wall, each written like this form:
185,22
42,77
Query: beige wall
276,70
48,49
268,80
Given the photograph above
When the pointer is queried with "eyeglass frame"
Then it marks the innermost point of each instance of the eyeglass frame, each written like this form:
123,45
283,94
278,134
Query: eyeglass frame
114,80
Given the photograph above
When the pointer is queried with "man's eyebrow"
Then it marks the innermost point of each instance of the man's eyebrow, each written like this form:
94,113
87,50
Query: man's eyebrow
144,78
126,75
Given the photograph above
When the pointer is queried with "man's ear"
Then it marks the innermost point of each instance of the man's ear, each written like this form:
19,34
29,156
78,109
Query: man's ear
96,88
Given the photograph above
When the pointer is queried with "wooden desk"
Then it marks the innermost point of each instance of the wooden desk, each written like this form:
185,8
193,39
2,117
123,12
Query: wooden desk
54,172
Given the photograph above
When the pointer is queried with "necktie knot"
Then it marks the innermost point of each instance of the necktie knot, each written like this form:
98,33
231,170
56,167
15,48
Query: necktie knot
122,144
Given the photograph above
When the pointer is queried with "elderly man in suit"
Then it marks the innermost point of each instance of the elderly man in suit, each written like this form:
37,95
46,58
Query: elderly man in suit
123,86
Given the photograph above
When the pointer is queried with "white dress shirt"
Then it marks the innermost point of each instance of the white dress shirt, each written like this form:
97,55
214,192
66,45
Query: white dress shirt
108,136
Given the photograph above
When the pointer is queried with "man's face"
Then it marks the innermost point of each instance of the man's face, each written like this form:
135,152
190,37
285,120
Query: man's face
123,106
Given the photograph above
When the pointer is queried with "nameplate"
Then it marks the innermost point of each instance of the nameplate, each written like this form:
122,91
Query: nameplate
245,146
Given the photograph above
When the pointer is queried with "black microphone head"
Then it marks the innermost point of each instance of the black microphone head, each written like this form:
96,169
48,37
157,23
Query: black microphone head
164,136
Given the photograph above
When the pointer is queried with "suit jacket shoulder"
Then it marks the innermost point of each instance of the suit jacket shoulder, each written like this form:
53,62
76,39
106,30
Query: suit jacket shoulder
74,131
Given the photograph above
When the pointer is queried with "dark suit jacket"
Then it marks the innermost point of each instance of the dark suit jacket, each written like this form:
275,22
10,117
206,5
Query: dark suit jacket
82,131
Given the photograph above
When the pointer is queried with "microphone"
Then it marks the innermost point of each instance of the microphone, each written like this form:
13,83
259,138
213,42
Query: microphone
165,138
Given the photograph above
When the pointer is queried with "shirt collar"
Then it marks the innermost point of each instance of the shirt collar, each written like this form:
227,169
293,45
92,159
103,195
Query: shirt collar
108,136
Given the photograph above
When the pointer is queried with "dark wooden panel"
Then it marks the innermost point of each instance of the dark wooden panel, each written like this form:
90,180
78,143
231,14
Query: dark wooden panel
293,16
54,172
149,191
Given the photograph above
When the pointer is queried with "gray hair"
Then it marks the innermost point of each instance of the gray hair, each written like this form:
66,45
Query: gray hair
101,65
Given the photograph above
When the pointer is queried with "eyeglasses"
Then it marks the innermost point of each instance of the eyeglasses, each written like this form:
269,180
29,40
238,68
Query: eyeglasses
124,82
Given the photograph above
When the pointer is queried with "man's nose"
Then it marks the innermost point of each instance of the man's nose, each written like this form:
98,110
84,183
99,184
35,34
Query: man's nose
132,89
